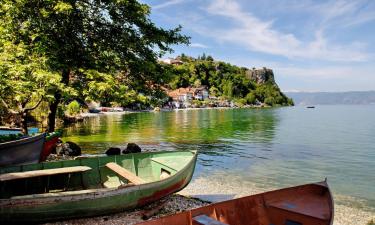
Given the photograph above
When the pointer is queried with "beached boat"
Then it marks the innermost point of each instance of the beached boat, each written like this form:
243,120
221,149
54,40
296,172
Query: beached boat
309,204
21,151
91,186
50,143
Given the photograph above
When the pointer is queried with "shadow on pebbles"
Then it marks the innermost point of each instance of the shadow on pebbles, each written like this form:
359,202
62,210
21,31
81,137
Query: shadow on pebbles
166,206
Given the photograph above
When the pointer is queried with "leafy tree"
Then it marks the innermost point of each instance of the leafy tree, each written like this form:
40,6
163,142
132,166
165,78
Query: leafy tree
250,98
228,88
114,36
73,108
24,79
197,83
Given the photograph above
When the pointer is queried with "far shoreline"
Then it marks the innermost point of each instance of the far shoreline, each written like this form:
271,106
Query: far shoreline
127,111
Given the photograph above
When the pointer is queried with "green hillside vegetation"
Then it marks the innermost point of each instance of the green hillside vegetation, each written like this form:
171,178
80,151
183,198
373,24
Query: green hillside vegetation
224,80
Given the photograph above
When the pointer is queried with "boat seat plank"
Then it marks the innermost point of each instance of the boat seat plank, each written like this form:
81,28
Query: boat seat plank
128,175
206,220
310,213
39,173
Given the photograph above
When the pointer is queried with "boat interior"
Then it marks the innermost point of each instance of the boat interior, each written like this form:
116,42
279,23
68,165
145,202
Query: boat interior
303,205
86,175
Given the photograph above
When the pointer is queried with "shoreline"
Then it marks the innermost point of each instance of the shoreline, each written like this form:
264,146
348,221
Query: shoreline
88,114
201,192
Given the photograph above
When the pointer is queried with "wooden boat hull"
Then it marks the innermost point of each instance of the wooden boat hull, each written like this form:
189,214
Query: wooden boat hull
22,151
309,204
93,202
49,144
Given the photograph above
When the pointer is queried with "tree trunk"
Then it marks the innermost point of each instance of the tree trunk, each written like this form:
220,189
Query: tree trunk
54,105
52,114
24,123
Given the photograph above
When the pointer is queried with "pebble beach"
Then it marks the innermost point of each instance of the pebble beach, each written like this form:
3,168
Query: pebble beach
201,192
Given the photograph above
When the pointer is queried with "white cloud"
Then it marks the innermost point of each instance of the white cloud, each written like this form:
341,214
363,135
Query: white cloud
319,72
198,45
167,4
328,78
259,35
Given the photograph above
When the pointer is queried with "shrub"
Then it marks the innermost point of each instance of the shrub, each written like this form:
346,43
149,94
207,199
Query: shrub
9,137
250,98
240,102
73,108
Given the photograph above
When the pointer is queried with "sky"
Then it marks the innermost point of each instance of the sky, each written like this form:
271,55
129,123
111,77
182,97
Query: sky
311,45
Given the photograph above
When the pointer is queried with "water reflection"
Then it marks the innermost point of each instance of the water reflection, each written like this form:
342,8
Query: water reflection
221,130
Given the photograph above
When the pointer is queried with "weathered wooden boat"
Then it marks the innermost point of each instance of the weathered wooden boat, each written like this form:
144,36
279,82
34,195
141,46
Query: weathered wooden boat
21,151
50,143
309,204
91,186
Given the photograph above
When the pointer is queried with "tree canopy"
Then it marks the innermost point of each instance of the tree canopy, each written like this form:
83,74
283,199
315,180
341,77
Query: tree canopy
91,41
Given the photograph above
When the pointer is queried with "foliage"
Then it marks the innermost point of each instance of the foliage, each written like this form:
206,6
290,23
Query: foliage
10,137
197,103
24,77
73,108
68,37
251,98
240,102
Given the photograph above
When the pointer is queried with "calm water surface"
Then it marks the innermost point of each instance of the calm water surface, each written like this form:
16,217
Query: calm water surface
269,147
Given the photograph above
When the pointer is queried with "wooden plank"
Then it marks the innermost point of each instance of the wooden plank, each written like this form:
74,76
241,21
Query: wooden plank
124,173
206,220
39,173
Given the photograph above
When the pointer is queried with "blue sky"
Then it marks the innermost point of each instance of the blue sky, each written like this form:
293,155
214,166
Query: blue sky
311,45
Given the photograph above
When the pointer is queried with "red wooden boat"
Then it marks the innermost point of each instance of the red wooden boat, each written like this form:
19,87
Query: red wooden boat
50,142
309,204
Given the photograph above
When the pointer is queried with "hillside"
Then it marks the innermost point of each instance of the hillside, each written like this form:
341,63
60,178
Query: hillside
223,80
333,98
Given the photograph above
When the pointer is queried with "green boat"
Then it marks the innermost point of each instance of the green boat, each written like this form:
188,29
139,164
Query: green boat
91,186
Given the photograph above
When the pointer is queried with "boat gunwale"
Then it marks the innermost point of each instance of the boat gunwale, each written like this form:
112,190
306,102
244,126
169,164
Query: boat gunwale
331,202
332,205
104,192
21,141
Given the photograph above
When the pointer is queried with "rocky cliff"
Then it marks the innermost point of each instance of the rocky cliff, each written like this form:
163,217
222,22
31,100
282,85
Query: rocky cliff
261,76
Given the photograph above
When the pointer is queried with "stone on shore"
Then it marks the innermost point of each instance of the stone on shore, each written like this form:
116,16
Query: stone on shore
132,148
68,148
113,151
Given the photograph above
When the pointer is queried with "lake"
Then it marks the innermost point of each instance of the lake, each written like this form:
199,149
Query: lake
271,148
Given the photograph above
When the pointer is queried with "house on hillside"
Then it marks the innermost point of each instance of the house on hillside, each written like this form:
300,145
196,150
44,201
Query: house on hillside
201,93
172,61
182,97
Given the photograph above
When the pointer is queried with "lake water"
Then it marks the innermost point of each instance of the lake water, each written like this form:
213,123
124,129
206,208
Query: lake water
270,148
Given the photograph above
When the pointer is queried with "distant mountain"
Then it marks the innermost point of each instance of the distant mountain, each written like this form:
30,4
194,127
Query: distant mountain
332,98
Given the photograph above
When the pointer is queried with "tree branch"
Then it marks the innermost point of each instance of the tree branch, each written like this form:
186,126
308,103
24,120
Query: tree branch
35,106
7,107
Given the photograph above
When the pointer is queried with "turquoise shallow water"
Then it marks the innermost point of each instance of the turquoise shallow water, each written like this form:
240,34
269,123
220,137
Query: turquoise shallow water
270,147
